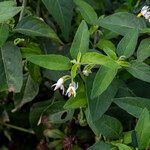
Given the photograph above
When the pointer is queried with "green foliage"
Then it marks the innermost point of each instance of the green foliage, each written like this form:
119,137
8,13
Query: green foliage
81,40
53,62
127,45
74,74
142,129
62,11
10,8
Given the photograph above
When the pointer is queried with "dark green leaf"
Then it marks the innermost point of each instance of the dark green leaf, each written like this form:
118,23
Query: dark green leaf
52,62
57,114
33,26
133,105
81,40
143,51
87,12
28,92
4,33
99,105
107,126
102,80
127,45
143,129
140,70
122,22
62,11
11,77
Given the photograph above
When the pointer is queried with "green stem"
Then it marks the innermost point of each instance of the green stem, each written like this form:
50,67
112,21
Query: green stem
23,9
17,128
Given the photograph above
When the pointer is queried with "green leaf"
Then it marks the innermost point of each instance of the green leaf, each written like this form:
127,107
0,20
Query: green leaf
108,47
87,12
80,100
52,62
145,30
74,70
62,11
34,26
102,80
99,59
143,51
81,40
127,45
143,129
107,126
57,114
140,70
11,76
99,105
133,105
35,113
30,49
122,146
8,10
122,22
28,92
100,145
4,33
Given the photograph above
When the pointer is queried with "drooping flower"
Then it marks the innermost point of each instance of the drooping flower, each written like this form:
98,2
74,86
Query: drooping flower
60,85
145,12
71,91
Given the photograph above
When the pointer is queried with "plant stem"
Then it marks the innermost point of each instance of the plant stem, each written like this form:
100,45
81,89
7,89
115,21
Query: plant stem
23,9
17,128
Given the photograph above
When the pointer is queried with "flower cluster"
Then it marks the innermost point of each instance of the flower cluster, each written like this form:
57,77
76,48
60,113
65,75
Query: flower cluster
145,12
71,91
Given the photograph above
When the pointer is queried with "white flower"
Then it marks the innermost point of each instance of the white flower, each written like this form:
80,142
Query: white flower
144,10
59,84
71,91
86,72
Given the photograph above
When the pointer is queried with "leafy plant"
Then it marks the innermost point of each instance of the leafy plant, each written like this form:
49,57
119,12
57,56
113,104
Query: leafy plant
75,74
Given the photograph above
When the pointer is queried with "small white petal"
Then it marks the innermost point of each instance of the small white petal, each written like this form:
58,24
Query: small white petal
144,10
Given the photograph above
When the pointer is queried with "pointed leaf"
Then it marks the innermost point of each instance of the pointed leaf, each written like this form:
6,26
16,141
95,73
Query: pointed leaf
122,22
107,126
62,11
52,62
108,47
99,59
87,12
143,51
8,10
143,129
102,80
133,105
140,70
99,105
11,76
33,26
127,45
81,40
